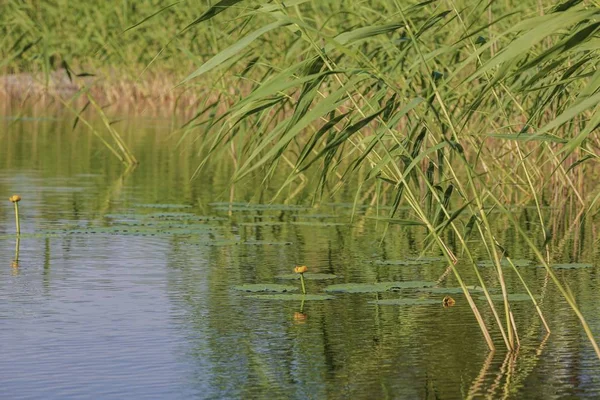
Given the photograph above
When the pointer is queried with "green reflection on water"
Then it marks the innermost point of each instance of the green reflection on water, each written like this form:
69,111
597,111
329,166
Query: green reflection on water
241,347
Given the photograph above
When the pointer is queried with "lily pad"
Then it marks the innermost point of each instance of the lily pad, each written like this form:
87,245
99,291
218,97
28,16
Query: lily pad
124,216
186,217
406,302
227,203
362,206
398,221
266,243
451,290
292,297
308,275
162,205
257,207
318,223
400,262
30,235
218,242
265,288
317,216
136,230
511,297
172,215
572,266
263,223
348,205
428,259
505,263
164,224
377,287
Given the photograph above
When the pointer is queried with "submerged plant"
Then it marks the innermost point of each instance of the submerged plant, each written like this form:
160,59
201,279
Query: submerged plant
15,199
301,270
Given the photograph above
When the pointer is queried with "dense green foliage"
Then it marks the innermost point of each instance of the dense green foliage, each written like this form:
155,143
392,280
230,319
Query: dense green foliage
37,35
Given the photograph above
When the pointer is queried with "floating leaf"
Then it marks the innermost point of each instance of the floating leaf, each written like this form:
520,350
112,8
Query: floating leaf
318,223
511,297
124,216
504,262
257,207
265,288
406,302
308,275
162,205
450,290
351,205
135,230
266,243
30,235
572,266
399,221
427,258
377,287
430,259
317,216
401,262
218,242
263,223
175,215
163,224
292,297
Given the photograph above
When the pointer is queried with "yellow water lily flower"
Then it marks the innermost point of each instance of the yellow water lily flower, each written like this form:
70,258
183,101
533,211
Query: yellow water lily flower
301,269
15,198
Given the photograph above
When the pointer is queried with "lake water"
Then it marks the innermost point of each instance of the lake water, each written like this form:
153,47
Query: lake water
124,287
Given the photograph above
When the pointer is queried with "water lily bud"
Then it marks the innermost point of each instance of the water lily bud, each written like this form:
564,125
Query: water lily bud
300,269
448,301
15,198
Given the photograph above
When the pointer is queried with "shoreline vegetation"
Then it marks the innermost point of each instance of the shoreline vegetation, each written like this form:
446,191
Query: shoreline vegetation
451,108
155,95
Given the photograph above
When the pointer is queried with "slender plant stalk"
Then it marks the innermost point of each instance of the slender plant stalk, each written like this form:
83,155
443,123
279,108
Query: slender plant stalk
17,222
302,282
17,248
97,134
125,151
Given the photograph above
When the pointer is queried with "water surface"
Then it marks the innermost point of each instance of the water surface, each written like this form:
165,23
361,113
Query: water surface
124,288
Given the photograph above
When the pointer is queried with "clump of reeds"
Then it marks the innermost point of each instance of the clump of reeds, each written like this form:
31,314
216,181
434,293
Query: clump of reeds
444,129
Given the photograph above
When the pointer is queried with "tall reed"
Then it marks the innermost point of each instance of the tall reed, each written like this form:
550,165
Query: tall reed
435,102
